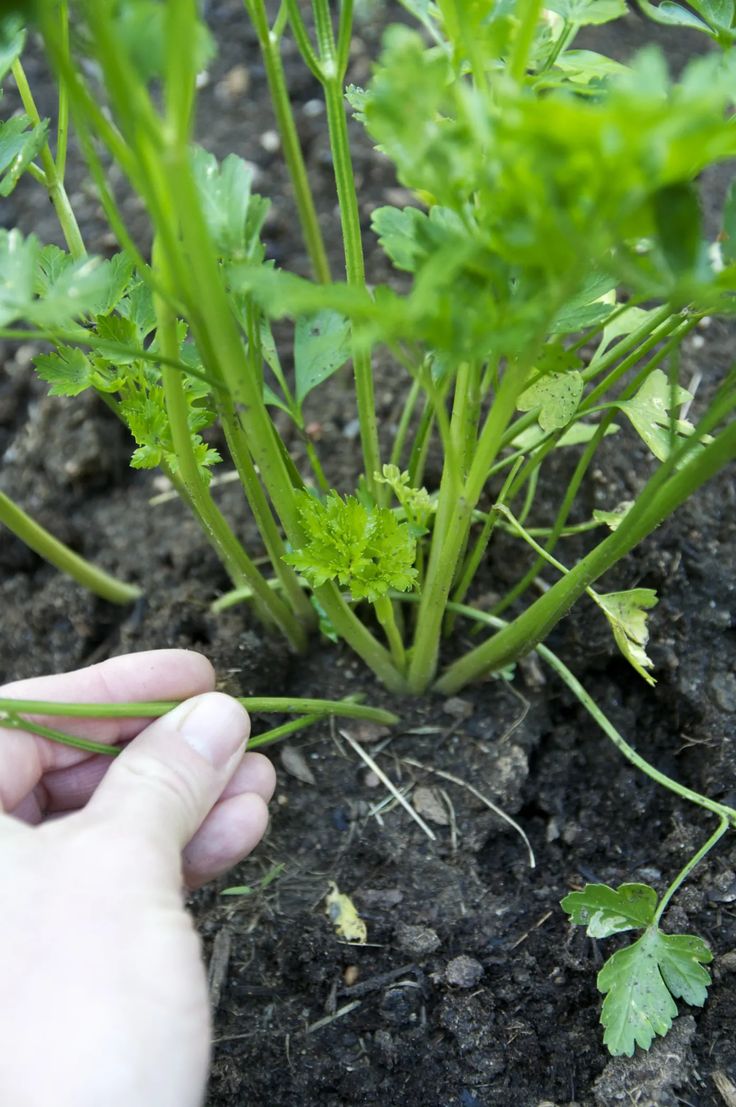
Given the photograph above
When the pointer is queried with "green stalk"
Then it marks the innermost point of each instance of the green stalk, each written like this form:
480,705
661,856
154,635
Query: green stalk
13,722
591,448
355,275
272,540
57,554
664,492
454,515
270,608
268,737
724,825
62,124
54,179
269,42
385,613
403,428
530,12
153,709
476,556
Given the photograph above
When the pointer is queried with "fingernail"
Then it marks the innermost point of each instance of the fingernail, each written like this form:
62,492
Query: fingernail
215,725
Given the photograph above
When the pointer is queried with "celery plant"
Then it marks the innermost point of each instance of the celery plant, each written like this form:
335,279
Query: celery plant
557,259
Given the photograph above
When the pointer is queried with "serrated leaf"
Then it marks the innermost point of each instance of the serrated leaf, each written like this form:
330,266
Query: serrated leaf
68,371
367,550
639,983
12,41
321,347
117,272
604,911
627,614
138,307
557,396
585,13
233,214
20,142
649,412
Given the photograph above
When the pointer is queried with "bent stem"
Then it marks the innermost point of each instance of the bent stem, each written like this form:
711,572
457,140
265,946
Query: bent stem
684,873
726,813
153,709
61,557
269,41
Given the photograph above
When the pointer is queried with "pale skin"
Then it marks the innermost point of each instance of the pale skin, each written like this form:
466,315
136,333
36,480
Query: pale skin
103,997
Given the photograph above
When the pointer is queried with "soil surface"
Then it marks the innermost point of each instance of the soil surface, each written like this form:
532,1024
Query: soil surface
472,989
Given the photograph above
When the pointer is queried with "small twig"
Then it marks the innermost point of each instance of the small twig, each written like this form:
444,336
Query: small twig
391,787
331,1018
484,799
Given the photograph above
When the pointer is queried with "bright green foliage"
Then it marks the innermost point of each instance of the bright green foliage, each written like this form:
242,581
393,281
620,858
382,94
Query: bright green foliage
68,371
416,502
714,18
12,40
627,614
140,28
604,911
46,287
640,981
321,347
233,213
585,12
20,142
651,413
366,550
555,388
613,519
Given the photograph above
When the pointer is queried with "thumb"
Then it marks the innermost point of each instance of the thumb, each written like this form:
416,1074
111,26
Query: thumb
167,780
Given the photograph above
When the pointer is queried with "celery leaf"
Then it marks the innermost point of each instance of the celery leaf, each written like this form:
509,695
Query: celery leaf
604,911
639,983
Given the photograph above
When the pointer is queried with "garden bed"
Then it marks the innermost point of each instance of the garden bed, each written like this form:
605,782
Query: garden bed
473,989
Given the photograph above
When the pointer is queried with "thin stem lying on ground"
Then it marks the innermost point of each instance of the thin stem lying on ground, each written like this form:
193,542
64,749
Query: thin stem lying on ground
36,537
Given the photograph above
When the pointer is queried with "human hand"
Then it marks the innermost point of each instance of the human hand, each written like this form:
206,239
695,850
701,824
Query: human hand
104,997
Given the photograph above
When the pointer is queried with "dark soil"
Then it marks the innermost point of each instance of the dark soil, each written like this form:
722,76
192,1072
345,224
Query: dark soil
472,989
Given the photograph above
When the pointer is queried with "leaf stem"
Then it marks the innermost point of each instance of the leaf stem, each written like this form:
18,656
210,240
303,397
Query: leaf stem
56,553
54,179
153,709
269,42
724,825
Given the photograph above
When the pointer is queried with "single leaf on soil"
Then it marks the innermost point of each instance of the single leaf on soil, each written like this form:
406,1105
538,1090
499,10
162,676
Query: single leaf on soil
627,614
639,983
604,911
321,347
344,915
